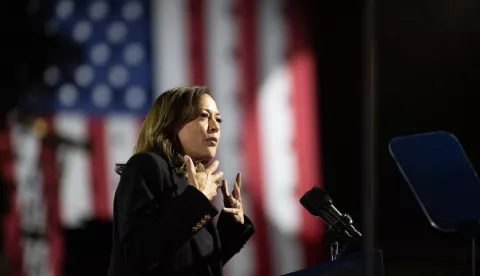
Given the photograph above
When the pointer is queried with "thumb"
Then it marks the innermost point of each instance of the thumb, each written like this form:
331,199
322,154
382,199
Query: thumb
190,167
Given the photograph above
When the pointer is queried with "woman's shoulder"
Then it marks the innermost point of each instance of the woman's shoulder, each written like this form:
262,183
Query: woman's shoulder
145,160
148,158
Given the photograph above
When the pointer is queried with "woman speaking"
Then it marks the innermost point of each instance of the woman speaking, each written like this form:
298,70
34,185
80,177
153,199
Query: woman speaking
163,215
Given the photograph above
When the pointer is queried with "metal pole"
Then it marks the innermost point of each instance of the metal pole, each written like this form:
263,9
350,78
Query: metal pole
369,134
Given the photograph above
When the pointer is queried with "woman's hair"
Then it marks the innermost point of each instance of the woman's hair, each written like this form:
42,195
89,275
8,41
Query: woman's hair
169,113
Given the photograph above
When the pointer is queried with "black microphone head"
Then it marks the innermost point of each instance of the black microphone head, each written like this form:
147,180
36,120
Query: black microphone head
315,201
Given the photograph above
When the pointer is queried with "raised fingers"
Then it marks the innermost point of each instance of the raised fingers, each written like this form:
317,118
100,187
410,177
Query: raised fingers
190,167
237,186
236,191
225,188
217,176
238,179
213,167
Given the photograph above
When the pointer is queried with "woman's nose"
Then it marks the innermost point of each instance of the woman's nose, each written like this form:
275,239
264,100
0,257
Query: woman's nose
214,126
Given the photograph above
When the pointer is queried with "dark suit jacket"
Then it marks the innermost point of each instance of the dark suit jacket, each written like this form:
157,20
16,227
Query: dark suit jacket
163,226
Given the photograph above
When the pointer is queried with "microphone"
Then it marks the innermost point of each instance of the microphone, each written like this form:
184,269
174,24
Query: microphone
319,204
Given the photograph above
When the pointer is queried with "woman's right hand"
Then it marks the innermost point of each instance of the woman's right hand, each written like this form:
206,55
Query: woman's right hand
207,181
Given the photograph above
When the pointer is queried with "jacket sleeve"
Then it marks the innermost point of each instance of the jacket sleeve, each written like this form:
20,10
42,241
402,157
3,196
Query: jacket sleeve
149,236
233,235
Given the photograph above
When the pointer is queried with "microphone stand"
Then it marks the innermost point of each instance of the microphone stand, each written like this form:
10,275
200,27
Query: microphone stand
333,250
341,231
339,236
337,243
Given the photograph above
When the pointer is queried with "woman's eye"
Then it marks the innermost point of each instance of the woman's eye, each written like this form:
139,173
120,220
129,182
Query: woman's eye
204,115
219,120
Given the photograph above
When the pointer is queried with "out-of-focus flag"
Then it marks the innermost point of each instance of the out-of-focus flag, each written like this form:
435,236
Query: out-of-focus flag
63,163
259,64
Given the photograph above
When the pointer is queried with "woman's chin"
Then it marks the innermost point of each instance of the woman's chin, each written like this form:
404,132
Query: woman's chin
204,159
207,156
210,154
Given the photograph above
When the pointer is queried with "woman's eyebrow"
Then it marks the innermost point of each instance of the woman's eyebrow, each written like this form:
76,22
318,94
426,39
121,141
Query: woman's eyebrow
211,111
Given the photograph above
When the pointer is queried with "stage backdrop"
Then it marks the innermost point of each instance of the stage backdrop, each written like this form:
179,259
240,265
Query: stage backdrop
258,62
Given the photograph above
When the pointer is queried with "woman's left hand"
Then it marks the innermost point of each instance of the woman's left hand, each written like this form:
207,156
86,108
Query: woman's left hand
233,201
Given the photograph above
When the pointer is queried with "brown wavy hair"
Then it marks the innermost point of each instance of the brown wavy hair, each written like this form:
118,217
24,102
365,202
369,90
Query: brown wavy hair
168,114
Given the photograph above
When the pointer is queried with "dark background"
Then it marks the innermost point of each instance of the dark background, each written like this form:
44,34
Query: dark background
428,54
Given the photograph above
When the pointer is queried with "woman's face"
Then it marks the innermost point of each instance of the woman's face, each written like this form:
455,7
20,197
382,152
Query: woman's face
199,138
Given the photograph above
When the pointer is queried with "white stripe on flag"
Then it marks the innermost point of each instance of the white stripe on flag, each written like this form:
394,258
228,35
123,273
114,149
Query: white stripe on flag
76,202
280,172
223,75
170,49
30,197
121,132
277,132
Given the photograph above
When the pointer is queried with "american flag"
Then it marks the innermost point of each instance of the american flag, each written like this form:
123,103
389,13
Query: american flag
256,58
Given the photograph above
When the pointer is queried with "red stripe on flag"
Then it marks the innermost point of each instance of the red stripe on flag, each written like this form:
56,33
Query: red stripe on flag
196,42
52,197
98,168
251,134
302,68
11,220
